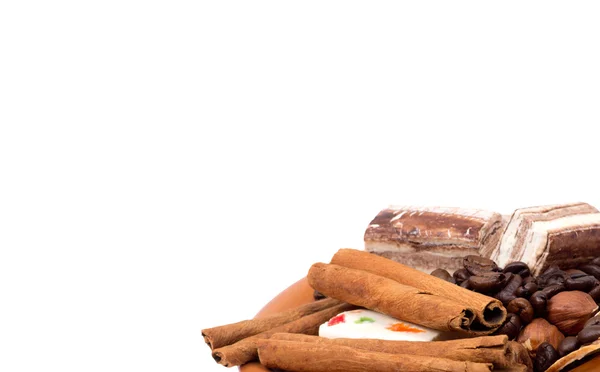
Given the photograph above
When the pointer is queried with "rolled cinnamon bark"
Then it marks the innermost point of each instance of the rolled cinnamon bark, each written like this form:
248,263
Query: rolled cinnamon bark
217,337
486,349
387,296
490,314
308,357
244,350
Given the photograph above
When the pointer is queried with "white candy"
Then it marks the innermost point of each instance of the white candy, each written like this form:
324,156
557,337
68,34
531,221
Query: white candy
370,324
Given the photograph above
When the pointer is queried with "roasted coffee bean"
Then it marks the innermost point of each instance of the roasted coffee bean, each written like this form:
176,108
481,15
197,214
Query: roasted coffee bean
517,267
553,290
522,308
444,275
574,273
595,293
529,279
553,275
546,355
596,261
538,301
526,289
584,283
593,321
591,269
511,326
318,295
466,284
507,278
567,346
487,283
507,294
476,265
588,334
461,275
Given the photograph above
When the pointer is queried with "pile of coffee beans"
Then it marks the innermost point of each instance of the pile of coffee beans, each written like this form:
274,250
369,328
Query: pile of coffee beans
526,297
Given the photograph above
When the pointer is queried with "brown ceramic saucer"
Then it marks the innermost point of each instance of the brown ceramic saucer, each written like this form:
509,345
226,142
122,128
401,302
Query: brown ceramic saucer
297,294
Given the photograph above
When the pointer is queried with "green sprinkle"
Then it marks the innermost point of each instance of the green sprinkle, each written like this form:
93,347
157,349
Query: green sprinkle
364,319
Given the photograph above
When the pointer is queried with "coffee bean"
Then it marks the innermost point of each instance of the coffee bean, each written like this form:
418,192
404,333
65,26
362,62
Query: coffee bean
444,275
476,265
522,308
511,326
526,289
461,275
595,293
487,283
507,294
588,334
593,321
574,273
583,283
538,301
553,275
546,355
553,290
591,269
596,261
517,267
567,346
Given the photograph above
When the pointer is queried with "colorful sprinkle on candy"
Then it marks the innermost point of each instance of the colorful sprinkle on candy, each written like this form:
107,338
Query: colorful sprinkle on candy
337,320
401,327
364,319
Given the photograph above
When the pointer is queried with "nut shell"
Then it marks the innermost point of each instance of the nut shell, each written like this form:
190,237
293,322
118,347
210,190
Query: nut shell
569,311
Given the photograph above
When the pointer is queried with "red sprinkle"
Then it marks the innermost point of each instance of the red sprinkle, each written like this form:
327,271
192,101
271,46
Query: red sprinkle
337,320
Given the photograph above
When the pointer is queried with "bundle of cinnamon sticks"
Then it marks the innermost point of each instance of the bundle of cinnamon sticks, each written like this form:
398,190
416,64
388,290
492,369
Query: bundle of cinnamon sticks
383,285
236,344
288,340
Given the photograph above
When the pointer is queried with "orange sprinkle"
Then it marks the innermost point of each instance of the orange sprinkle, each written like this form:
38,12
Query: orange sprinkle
401,327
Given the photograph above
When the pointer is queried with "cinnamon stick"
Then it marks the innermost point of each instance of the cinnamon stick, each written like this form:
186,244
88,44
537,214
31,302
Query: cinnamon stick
245,350
217,337
487,349
490,314
308,357
387,296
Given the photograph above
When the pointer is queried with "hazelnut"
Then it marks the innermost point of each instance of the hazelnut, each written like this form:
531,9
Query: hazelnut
569,311
538,332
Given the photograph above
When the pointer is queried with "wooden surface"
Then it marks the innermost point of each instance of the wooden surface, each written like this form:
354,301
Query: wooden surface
297,294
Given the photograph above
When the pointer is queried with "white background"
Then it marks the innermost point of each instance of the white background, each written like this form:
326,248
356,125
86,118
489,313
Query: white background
167,166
